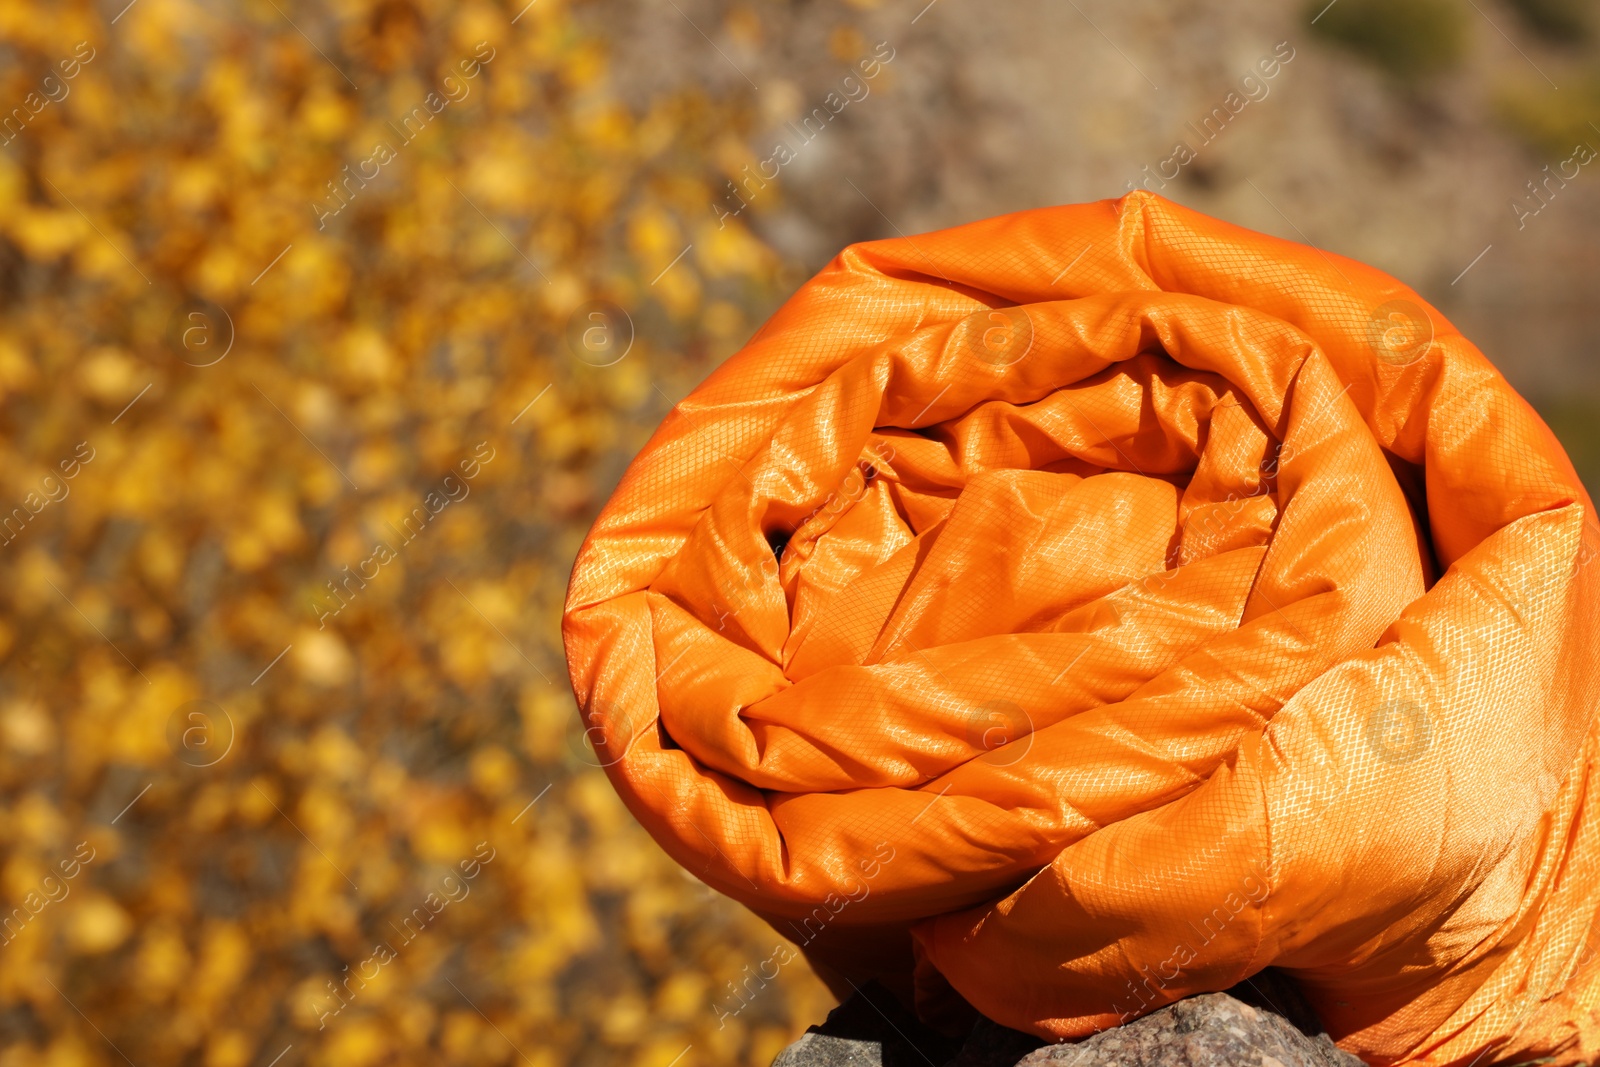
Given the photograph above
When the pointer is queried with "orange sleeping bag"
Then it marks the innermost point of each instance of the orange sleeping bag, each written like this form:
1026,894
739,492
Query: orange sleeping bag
1093,606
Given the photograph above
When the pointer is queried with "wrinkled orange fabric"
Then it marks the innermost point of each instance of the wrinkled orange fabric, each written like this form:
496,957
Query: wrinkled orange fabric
1121,602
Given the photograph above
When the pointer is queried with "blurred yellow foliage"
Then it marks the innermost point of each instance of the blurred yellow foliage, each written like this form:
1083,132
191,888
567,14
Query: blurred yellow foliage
264,347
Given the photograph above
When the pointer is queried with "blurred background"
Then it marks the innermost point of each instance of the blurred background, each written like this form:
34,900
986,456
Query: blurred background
328,328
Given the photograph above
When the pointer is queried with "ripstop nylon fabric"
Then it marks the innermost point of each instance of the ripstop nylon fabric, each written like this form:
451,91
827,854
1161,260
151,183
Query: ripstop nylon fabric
1095,605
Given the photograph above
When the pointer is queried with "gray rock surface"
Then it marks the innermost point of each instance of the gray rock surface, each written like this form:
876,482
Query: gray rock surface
1211,1030
1275,1029
820,1050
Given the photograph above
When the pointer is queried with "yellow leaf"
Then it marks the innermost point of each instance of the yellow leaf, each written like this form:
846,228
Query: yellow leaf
96,924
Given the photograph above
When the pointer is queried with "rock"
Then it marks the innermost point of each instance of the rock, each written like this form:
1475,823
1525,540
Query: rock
1211,1030
1263,1022
815,1049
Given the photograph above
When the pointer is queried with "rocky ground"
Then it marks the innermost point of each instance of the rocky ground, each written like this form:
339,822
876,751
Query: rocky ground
1269,1026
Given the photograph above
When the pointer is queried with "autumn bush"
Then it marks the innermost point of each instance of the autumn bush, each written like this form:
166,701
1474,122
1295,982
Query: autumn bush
279,672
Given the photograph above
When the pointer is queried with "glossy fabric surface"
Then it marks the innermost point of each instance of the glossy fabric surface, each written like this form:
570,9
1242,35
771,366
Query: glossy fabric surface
1120,602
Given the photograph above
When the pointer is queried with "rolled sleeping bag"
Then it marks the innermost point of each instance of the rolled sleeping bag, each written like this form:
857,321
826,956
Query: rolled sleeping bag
1092,606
